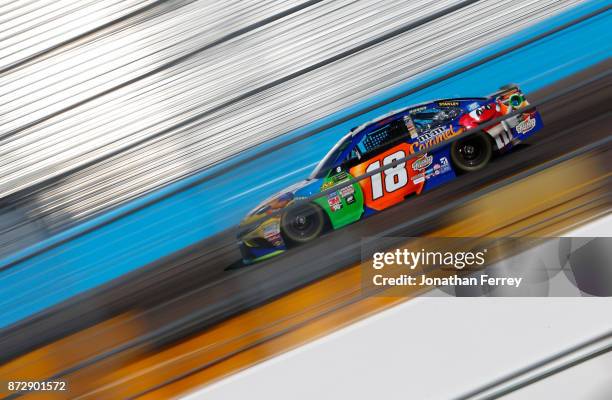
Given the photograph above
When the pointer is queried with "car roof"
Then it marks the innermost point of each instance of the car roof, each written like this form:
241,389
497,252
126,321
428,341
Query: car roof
394,114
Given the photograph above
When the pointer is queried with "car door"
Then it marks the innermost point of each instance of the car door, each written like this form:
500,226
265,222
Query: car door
380,146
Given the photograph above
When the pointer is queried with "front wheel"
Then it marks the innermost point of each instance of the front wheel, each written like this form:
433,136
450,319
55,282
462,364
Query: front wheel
302,223
472,153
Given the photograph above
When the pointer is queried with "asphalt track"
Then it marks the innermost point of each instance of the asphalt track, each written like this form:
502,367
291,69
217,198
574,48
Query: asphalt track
192,289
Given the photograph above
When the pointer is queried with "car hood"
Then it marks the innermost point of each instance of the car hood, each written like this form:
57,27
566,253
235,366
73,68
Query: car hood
277,201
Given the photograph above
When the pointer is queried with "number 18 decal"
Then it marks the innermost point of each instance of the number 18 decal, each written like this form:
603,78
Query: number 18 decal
395,177
389,186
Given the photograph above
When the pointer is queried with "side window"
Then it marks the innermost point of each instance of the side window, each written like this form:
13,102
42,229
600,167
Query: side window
382,138
352,158
432,117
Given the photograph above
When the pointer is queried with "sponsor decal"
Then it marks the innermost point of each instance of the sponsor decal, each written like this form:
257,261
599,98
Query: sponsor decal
428,135
438,168
473,106
448,103
350,199
418,178
410,126
333,198
340,177
327,185
334,201
270,228
435,170
271,233
444,165
433,137
526,125
418,109
422,162
347,191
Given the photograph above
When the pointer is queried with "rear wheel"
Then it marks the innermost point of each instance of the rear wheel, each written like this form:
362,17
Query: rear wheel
472,153
302,223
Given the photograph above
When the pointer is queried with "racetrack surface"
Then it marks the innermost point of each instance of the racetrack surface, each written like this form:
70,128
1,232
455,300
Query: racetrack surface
192,289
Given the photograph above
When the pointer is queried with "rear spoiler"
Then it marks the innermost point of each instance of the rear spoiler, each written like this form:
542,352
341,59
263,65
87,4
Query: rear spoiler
506,89
511,97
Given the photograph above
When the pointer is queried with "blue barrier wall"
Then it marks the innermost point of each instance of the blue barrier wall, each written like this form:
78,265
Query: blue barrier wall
208,208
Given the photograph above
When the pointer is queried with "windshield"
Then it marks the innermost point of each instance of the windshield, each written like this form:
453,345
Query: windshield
330,160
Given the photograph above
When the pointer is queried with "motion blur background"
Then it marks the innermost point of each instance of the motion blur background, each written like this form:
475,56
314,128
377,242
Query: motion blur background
134,136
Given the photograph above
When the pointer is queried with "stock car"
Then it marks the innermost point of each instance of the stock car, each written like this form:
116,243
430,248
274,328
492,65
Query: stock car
422,133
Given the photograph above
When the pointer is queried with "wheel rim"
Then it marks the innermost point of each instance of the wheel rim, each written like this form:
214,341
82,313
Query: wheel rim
471,151
302,223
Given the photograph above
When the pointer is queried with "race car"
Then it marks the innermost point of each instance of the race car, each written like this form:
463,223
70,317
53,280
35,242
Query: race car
296,215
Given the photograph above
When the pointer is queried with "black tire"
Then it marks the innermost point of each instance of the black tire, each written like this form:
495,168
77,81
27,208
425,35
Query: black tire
472,153
302,223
